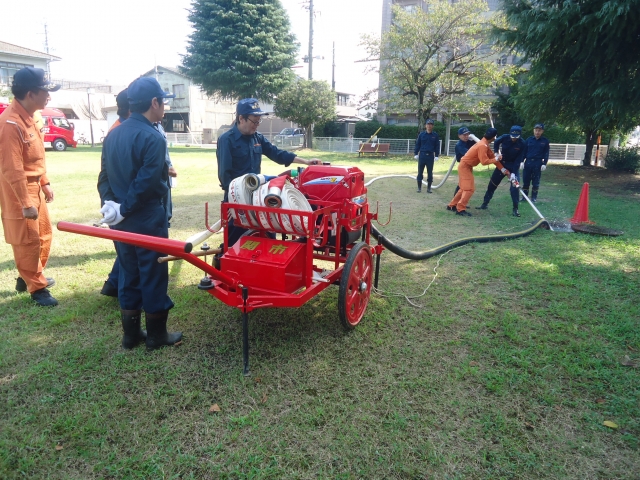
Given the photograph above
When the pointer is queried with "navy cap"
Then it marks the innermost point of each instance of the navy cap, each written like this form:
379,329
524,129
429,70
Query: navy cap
122,101
249,106
515,131
145,89
539,125
491,132
463,130
429,121
30,77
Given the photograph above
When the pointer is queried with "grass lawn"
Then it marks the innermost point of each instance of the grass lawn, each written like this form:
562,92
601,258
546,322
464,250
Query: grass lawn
507,369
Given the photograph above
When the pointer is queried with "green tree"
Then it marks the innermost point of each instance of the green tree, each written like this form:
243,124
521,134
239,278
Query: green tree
240,48
585,67
306,102
437,58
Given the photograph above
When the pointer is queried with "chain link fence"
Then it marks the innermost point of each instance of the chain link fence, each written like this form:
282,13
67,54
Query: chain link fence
570,154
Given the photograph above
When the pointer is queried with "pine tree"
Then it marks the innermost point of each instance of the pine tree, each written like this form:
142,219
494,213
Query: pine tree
240,48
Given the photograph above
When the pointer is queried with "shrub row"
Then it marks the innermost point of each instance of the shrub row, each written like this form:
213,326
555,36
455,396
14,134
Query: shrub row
624,159
555,134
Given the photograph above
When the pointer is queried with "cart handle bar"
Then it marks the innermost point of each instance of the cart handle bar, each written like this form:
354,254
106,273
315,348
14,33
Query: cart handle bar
157,244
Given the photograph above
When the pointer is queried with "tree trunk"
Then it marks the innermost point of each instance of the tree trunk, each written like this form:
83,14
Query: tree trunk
308,136
592,135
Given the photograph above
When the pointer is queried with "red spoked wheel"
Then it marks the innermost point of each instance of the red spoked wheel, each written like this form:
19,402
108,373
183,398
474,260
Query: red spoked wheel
355,285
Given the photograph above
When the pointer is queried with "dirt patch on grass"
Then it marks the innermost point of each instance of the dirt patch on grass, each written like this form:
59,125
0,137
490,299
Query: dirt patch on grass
609,182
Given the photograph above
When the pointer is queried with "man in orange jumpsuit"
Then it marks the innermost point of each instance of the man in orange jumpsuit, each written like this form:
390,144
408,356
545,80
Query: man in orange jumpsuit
482,153
24,186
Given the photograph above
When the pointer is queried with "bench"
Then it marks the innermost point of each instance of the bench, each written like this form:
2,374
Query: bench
374,148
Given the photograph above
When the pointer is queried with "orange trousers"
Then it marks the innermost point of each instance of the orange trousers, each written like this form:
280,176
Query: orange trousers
31,240
467,187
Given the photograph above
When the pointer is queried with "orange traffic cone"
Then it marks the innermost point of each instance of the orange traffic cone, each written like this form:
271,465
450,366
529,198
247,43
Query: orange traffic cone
581,214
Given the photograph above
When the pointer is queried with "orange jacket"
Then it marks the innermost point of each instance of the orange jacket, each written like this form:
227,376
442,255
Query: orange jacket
115,124
21,155
481,153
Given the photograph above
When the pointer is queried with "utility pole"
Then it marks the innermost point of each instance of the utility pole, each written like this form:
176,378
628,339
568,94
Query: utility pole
46,49
310,39
333,69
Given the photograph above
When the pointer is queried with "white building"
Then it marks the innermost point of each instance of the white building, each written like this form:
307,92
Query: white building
193,111
14,57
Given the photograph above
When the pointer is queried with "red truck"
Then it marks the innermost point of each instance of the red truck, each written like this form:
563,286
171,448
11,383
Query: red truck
58,132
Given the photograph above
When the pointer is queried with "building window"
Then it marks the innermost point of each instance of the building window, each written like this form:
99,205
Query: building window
178,125
179,90
8,69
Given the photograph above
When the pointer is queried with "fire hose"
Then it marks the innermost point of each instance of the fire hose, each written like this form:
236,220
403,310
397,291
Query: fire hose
392,247
433,187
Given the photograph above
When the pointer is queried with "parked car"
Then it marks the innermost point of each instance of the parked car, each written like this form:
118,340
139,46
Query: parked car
290,137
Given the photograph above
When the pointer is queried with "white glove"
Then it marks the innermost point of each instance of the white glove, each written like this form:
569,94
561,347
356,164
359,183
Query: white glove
504,170
522,166
415,157
498,157
111,213
512,177
435,159
543,168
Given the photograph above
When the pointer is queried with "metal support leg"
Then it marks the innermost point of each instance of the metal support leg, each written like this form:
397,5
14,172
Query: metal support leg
245,333
375,280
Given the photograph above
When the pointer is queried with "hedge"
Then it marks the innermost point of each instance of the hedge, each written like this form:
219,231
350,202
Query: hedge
555,134
624,159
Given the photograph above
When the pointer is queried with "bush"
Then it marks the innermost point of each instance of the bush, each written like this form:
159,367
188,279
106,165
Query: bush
555,133
624,159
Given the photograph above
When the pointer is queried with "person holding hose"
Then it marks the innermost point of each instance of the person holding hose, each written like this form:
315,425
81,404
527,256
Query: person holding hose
426,152
480,153
462,147
536,159
513,150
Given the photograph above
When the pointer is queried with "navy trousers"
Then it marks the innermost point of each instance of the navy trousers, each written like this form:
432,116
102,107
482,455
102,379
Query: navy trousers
496,178
425,160
143,282
531,174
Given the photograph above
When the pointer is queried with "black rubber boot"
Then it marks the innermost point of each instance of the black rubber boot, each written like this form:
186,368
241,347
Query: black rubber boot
516,213
133,335
157,335
484,206
109,290
534,195
429,187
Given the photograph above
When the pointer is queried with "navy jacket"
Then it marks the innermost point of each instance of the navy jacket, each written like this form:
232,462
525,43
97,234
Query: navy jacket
134,171
537,149
239,154
427,143
462,148
512,152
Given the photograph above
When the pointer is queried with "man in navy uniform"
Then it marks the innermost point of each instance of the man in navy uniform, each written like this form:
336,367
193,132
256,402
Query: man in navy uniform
513,149
426,152
240,151
133,185
536,158
463,146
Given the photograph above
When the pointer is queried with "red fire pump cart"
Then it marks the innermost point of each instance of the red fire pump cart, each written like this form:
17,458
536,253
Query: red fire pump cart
266,270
